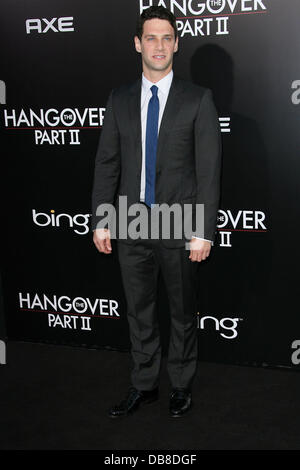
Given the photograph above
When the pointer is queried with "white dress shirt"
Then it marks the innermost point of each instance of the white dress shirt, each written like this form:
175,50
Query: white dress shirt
163,86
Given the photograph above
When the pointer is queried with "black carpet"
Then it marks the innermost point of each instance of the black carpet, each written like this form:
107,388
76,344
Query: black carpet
54,397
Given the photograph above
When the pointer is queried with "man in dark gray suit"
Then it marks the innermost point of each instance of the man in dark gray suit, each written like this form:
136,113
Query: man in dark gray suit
160,144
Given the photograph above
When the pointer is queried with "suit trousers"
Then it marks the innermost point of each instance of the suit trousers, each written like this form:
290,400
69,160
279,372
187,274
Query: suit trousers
140,263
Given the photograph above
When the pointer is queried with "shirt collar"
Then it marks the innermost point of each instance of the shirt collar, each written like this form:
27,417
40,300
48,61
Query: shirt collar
163,85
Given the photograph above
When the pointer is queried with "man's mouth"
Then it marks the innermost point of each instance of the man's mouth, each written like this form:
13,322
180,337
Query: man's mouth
159,57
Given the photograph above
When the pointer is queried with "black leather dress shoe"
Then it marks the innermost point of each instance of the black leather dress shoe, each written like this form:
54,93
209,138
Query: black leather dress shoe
134,399
180,402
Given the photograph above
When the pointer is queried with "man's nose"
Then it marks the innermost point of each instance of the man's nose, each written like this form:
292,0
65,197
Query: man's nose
159,45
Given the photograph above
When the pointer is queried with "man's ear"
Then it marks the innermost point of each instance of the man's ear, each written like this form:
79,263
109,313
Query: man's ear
137,44
176,45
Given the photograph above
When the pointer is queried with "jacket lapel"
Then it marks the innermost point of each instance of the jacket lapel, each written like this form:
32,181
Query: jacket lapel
171,111
135,110
135,121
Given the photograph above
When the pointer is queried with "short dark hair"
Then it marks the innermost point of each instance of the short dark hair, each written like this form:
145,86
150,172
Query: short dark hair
155,12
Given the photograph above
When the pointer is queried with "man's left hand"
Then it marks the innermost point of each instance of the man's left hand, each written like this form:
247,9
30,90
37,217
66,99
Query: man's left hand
200,249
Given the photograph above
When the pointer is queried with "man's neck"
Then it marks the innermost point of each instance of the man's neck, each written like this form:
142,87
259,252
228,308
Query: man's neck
155,76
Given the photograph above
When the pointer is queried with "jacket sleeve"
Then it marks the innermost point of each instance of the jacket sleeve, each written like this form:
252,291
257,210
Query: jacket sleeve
107,163
208,163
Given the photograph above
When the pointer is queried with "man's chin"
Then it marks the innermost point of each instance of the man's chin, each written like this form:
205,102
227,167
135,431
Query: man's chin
160,67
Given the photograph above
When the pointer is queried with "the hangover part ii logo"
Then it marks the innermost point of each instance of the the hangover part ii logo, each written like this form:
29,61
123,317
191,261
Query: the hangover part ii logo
230,221
54,126
69,313
206,17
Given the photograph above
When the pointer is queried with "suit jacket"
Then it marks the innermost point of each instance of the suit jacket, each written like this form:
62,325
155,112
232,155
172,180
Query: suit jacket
188,160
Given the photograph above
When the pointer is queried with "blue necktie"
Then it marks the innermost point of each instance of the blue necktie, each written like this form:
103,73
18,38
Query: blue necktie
151,146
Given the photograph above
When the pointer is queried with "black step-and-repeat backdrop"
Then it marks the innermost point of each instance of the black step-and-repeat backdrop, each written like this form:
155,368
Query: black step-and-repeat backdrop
60,59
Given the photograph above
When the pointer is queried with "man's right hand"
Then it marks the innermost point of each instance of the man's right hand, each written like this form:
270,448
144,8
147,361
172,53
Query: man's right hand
101,239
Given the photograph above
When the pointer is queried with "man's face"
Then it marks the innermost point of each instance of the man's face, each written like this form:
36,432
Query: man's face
157,45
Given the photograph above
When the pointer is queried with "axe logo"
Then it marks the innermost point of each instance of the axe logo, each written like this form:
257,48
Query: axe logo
62,25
